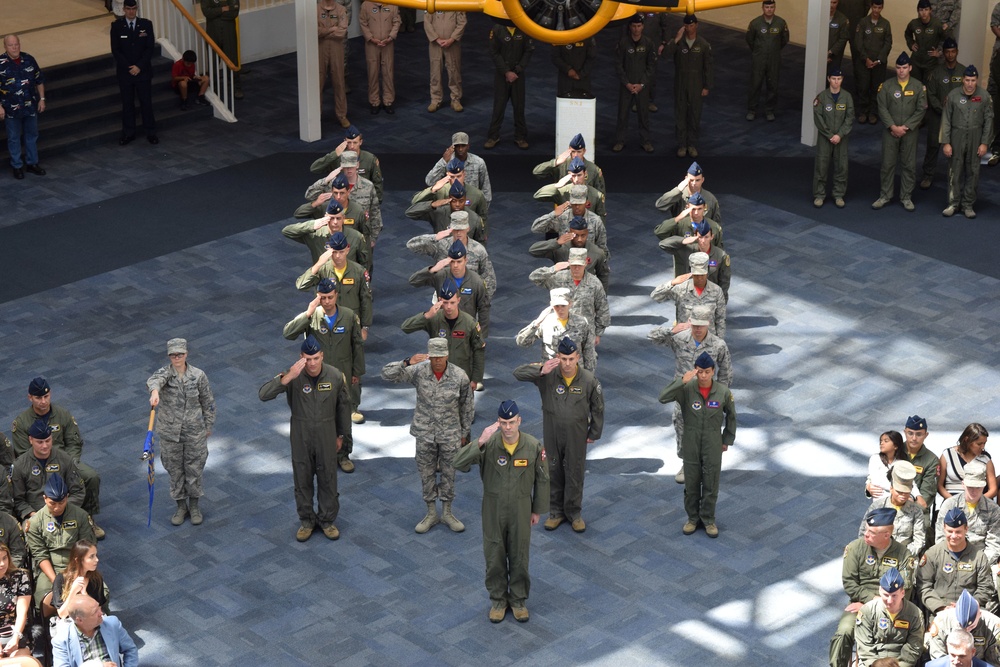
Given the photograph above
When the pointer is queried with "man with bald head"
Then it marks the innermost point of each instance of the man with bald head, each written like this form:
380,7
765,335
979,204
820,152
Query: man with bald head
88,636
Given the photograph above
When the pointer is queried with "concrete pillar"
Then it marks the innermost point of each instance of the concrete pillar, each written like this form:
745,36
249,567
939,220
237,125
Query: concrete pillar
307,46
817,40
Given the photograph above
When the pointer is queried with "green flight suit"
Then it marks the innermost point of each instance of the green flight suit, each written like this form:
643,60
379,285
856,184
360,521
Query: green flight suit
440,217
853,11
693,72
221,28
928,37
685,227
879,635
635,62
862,570
709,425
510,53
473,297
840,35
560,194
50,539
719,270
515,486
942,575
475,202
942,81
354,290
572,415
872,41
466,348
29,475
315,239
832,117
766,40
579,57
907,107
967,123
368,167
550,171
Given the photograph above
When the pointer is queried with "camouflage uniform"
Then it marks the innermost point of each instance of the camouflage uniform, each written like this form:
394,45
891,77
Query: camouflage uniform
440,217
65,437
558,194
29,475
476,175
473,300
597,260
941,577
354,290
572,415
966,124
559,225
551,331
897,106
881,635
475,202
315,239
675,200
51,539
719,270
948,12
686,350
184,418
940,82
363,193
687,299
368,166
441,418
908,527
466,348
478,259
550,171
588,297
985,634
984,523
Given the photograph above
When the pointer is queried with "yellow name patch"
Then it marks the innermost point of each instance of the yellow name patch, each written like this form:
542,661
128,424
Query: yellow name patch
347,281
965,567
905,625
348,221
520,463
908,93
919,469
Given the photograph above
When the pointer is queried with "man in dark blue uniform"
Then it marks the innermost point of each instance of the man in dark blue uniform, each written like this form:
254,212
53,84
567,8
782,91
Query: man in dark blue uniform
132,44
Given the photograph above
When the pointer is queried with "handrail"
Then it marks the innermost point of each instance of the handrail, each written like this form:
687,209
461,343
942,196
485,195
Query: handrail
204,35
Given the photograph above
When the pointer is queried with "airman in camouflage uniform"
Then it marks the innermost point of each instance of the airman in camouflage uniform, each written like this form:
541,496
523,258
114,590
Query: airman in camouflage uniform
870,54
368,164
354,290
476,172
890,626
966,134
54,529
438,245
924,36
585,291
942,80
557,250
438,212
555,323
315,234
953,564
475,202
701,240
902,103
949,13
473,298
833,115
184,420
362,192
682,290
766,36
557,222
683,225
966,615
573,418
556,168
441,421
559,192
675,201
33,469
981,513
908,527
65,437
337,329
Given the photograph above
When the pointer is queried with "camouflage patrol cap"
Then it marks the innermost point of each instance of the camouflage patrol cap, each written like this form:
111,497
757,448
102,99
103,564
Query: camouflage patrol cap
508,410
437,347
903,474
701,316
966,609
891,581
576,165
578,194
177,346
334,208
577,143
457,190
39,429
55,487
698,262
38,387
337,241
881,516
578,257
310,346
460,139
348,159
704,360
566,346
974,474
455,166
955,518
459,220
327,285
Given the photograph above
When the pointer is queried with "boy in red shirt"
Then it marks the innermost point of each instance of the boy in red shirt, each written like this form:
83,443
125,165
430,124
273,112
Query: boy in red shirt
183,77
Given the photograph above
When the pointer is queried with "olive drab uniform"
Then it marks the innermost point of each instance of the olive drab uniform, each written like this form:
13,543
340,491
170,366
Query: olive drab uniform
221,27
550,171
942,80
685,227
853,11
656,26
579,57
880,634
840,35
635,62
511,51
833,115
332,25
29,475
473,297
984,633
966,124
477,260
943,574
559,225
380,22
719,269
908,526
572,414
515,486
343,348
766,40
928,38
475,202
52,538
440,217
861,572
354,290
872,41
900,106
66,437
693,72
368,167
551,330
466,348
321,412
926,464
363,193
315,239
675,200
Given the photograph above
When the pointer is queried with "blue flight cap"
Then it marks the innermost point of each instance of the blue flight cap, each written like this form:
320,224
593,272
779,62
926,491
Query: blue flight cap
508,410
882,516
39,387
55,487
636,18
337,241
567,346
578,222
576,165
577,143
340,182
704,360
971,71
695,169
456,166
352,133
836,71
696,199
949,43
966,609
955,518
334,207
690,18
903,59
457,250
310,346
40,429
891,581
702,228
924,4
916,423
457,190
448,288
327,285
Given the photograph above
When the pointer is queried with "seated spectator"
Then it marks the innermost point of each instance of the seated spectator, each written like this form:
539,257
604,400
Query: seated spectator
79,578
890,626
952,565
971,447
92,638
961,652
983,514
33,469
966,615
15,599
908,526
184,79
12,537
890,449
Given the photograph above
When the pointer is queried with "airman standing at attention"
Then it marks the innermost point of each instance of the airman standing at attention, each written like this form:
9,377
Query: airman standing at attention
840,35
945,78
332,32
380,25
902,103
767,35
966,134
833,115
635,64
693,78
924,36
870,53
444,41
511,51
574,62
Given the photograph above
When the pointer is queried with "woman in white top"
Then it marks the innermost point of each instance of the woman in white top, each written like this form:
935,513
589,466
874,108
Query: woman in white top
890,449
971,447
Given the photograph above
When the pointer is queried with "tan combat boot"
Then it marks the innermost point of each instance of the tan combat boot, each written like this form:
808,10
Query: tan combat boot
430,520
450,519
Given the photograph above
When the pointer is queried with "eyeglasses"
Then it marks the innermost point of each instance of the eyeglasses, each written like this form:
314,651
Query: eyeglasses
175,355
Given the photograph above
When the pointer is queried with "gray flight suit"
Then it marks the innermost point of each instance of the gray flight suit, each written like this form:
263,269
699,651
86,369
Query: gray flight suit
942,81
515,486
832,117
572,415
473,297
28,477
693,72
52,538
321,411
872,41
766,40
966,124
466,348
354,290
897,106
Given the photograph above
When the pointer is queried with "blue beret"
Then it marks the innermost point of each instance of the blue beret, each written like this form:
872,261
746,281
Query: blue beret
696,199
337,241
576,165
704,360
577,143
949,43
971,71
882,516
566,346
690,18
636,18
327,285
702,228
836,71
891,581
955,518
352,133
340,182
966,608
508,410
55,487
903,59
916,423
456,166
310,345
448,288
39,387
924,4
40,429
457,189
578,222
334,207
457,250
695,169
